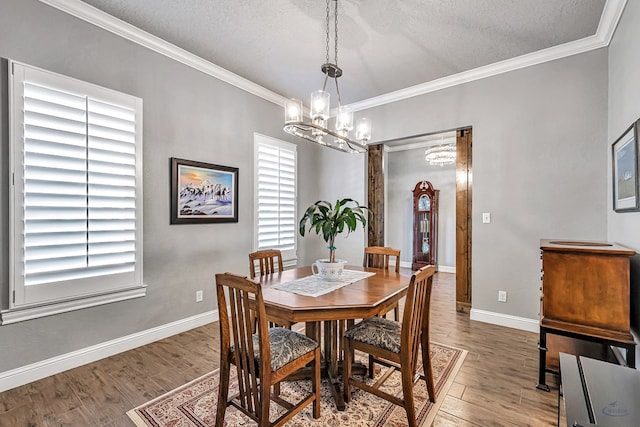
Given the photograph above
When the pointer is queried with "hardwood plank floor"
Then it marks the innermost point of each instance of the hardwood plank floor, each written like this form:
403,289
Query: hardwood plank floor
495,387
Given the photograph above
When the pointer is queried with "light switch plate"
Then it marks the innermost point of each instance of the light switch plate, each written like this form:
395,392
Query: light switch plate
486,218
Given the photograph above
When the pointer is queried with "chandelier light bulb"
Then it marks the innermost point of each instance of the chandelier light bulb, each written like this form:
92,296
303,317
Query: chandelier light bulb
320,101
292,110
344,120
363,130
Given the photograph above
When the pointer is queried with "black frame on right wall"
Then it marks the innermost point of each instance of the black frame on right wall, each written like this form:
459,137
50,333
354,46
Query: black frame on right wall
625,167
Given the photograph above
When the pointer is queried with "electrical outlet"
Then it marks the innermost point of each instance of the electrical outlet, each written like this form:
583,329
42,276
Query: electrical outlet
502,296
199,296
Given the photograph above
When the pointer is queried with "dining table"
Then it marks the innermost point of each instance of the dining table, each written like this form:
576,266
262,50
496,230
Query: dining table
289,299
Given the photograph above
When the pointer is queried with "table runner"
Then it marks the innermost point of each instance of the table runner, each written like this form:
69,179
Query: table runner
314,286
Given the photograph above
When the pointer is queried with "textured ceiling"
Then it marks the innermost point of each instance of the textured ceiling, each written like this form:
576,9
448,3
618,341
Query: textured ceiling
384,45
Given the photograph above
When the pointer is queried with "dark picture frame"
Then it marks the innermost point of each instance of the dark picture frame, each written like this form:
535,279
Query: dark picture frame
203,192
625,167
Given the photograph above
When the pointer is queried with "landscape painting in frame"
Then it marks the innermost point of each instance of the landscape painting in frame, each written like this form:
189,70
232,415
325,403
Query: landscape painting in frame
625,171
203,192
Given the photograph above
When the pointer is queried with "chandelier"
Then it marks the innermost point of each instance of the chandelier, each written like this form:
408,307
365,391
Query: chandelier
440,155
317,129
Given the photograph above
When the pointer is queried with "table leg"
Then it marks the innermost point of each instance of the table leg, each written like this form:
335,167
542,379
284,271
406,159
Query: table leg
331,337
312,330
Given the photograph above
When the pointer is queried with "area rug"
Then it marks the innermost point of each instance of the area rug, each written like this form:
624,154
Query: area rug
194,404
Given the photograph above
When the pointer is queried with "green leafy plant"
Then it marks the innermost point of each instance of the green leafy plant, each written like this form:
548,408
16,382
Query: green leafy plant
327,221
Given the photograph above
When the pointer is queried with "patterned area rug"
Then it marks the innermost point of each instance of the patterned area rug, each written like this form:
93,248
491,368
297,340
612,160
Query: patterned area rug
194,404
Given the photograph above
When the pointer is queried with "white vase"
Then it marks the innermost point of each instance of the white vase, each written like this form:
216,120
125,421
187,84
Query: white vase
329,271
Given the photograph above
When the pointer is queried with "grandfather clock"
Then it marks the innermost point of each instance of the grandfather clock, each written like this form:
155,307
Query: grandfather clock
425,225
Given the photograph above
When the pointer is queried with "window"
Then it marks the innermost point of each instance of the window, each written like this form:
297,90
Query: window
275,195
76,194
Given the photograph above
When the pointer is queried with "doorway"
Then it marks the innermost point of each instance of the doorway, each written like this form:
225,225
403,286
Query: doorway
377,193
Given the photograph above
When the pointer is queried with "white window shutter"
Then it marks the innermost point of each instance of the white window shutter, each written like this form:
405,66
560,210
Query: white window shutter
76,199
275,171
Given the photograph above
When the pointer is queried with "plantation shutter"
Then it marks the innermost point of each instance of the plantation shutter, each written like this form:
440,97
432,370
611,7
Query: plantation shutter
276,196
77,188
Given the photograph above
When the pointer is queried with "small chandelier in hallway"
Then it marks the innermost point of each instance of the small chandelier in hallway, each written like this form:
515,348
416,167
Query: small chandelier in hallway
441,155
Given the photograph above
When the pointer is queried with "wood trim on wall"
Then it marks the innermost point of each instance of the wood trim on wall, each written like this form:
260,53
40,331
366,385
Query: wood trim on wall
464,187
375,195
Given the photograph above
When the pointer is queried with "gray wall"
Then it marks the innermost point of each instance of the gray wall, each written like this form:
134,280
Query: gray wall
337,175
539,165
405,169
624,109
187,114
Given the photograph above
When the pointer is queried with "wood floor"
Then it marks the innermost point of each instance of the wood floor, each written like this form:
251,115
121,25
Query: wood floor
495,387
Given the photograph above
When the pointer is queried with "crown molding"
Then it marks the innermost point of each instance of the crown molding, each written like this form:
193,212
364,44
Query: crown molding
421,144
609,20
606,27
107,22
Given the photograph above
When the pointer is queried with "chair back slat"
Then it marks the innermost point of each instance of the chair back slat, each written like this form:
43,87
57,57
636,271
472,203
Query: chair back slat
267,261
415,320
379,256
245,304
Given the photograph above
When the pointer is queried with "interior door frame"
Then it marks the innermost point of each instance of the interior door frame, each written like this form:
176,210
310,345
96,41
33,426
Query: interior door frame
464,192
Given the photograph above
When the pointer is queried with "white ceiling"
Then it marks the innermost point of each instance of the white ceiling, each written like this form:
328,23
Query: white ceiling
384,46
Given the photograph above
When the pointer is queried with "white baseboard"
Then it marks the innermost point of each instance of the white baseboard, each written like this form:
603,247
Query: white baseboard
441,268
36,371
507,320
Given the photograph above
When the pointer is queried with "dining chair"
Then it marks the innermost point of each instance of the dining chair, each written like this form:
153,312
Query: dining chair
262,359
378,257
395,345
267,261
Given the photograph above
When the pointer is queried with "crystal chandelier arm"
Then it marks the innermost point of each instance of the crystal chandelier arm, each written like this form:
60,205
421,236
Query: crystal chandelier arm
337,91
324,84
335,53
305,130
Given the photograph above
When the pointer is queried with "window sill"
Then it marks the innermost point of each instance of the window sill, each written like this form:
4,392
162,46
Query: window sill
28,313
290,262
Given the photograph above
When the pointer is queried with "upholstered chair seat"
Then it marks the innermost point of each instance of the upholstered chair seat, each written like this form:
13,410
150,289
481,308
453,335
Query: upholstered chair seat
286,346
378,332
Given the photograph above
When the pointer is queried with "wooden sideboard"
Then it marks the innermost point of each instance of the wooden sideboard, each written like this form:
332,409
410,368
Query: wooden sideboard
585,296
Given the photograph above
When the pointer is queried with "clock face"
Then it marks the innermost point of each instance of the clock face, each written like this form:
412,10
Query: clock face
424,203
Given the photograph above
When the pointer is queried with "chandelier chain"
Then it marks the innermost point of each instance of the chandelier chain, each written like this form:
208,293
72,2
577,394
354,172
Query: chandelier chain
335,38
327,33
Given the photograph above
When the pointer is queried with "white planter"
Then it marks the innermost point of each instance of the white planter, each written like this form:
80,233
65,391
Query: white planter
330,271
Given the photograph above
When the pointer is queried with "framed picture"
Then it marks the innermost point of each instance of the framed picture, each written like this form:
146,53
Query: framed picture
624,154
202,192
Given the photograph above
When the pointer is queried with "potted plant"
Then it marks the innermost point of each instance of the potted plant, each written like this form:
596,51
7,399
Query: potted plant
327,221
